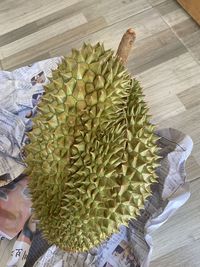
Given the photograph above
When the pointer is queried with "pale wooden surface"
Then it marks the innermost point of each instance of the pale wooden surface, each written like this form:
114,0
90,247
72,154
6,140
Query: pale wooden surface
166,60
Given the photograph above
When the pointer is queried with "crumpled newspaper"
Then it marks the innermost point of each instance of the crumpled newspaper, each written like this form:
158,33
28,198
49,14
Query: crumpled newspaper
20,91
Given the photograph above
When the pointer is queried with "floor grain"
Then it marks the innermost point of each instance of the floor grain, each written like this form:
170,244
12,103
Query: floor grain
178,244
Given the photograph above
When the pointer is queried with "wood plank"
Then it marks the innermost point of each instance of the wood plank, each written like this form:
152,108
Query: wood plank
29,54
171,77
190,97
189,33
29,11
173,106
196,148
154,50
45,21
42,35
110,9
111,35
18,33
192,169
172,13
186,29
61,14
182,229
192,7
156,2
186,256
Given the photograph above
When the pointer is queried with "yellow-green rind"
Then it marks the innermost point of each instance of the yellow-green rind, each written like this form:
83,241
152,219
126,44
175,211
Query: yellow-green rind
93,153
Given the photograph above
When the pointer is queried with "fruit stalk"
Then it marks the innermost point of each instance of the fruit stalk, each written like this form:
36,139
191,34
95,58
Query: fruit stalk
126,45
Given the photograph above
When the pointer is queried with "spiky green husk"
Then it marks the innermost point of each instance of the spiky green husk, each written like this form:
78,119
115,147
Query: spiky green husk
93,153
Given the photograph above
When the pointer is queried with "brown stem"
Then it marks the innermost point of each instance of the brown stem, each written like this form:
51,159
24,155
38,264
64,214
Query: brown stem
126,44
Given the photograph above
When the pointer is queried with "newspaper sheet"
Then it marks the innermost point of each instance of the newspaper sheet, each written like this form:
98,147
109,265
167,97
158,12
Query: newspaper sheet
20,91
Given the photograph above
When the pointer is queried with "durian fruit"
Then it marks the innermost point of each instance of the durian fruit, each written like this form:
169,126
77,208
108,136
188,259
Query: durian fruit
92,154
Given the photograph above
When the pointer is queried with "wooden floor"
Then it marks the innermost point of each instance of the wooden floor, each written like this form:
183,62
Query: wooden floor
166,60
